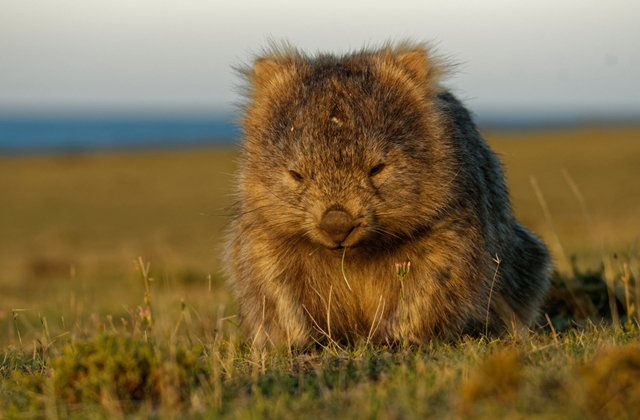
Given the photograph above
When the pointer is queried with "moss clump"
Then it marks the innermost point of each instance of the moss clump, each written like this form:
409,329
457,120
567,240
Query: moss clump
497,379
116,370
609,386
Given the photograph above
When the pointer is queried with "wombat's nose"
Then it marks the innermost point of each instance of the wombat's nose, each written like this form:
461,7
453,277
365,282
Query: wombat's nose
337,224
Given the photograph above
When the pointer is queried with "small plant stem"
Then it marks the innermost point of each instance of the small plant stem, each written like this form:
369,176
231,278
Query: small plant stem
329,312
585,212
373,329
402,270
486,327
404,310
553,330
635,272
627,296
145,271
609,277
344,275
15,320
44,330
574,287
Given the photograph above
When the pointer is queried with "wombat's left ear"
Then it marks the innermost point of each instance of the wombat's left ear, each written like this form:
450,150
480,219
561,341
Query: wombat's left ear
264,70
415,62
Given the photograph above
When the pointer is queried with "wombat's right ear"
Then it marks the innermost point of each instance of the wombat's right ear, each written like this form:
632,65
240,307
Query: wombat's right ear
422,67
415,62
264,70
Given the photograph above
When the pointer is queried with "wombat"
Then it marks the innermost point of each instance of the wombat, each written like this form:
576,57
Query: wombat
351,165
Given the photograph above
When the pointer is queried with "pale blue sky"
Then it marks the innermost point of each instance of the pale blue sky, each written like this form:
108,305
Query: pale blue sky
141,56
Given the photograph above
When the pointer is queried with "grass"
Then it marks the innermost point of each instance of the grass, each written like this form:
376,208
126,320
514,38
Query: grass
592,372
90,329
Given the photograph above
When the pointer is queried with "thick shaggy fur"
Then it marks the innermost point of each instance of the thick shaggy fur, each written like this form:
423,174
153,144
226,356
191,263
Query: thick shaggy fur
374,136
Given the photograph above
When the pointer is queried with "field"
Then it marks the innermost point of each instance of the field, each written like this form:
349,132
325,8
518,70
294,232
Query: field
77,233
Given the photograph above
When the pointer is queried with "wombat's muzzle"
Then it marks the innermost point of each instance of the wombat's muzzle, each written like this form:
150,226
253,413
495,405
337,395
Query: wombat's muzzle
337,225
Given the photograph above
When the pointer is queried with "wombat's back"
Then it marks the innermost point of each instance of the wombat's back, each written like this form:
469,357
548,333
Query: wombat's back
353,164
521,254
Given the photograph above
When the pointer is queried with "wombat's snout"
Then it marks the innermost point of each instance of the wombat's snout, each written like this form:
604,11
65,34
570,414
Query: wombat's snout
337,224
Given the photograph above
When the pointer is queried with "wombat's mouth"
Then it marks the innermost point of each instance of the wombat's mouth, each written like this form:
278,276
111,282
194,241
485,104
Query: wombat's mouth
337,229
350,240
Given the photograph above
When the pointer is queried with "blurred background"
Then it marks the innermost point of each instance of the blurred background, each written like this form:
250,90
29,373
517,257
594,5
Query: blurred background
519,62
117,138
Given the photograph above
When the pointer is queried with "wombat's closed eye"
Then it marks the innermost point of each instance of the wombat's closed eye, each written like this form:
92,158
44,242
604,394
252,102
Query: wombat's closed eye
351,165
296,176
376,169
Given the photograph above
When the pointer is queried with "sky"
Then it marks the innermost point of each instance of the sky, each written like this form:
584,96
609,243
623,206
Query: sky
170,57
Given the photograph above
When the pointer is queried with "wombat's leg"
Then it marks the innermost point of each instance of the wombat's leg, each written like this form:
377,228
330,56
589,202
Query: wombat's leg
508,316
268,320
530,275
448,288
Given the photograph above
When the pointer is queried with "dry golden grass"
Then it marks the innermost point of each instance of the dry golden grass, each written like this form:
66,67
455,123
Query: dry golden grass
604,163
98,213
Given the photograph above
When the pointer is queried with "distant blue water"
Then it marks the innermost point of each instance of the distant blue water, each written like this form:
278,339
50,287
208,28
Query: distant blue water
35,135
25,135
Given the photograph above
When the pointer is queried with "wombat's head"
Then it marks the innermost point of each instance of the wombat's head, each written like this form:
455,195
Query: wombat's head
344,151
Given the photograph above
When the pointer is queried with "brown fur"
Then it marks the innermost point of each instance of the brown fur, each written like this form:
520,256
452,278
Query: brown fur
316,130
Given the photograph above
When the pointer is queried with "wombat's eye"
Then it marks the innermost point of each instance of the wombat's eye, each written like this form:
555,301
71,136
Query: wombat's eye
376,169
296,176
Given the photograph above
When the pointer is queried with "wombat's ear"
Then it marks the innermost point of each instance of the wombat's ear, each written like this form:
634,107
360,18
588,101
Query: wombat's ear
264,70
415,62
